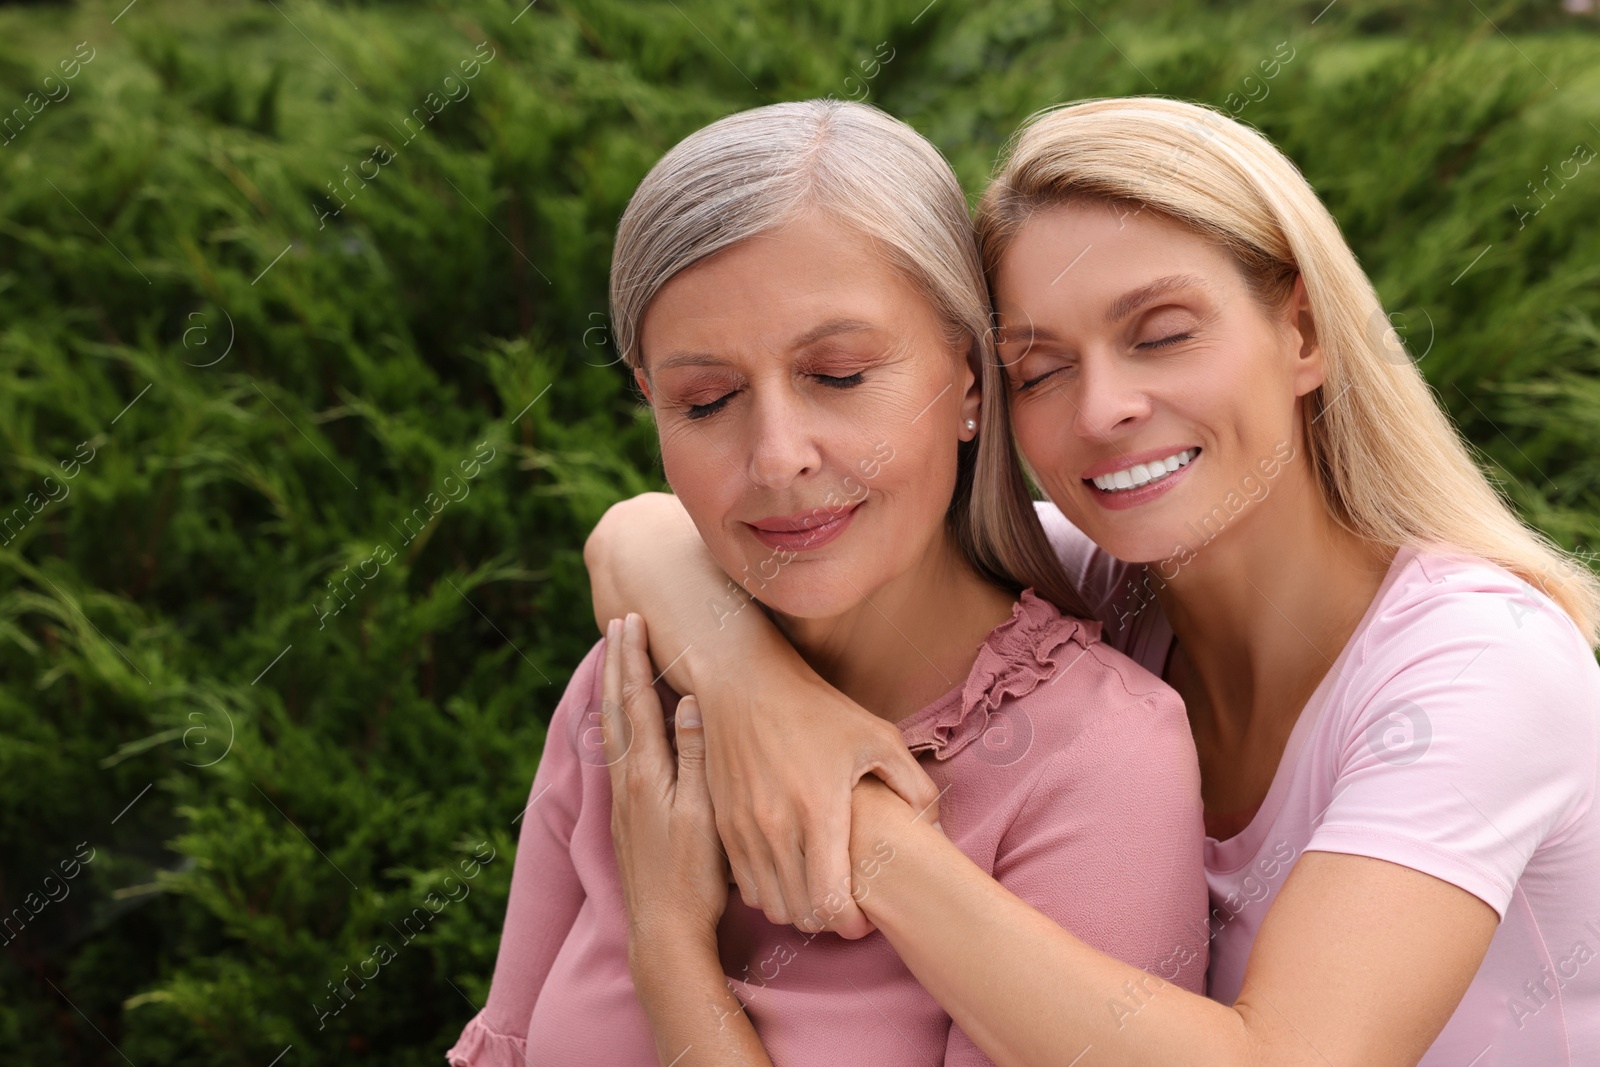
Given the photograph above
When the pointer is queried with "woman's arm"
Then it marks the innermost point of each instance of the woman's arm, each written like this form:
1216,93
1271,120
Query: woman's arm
782,797
1110,843
674,883
696,1019
1358,962
546,893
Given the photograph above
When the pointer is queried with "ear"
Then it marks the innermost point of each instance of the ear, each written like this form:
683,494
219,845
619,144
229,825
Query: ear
1309,370
643,381
970,380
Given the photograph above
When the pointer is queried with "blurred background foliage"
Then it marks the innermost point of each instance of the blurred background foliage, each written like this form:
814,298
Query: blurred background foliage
326,405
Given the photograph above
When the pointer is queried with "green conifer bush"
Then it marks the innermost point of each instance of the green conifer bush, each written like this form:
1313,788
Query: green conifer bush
307,402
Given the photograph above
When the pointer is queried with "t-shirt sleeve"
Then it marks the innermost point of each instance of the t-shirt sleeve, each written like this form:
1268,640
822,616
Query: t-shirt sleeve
1471,741
546,893
1110,845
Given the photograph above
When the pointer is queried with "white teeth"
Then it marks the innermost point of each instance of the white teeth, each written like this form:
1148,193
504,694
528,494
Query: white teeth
1144,473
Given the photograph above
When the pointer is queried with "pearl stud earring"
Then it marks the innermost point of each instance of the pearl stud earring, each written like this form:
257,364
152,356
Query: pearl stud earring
972,424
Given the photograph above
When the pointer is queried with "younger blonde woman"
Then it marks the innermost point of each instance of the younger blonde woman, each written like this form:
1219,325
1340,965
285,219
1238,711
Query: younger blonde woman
1389,679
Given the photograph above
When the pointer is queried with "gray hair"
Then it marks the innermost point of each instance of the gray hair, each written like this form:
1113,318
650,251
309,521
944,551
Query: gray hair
757,170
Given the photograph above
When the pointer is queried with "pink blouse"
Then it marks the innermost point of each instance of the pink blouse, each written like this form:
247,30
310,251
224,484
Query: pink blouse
1069,774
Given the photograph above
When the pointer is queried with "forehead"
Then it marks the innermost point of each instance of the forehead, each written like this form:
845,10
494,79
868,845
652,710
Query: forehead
1079,257
811,279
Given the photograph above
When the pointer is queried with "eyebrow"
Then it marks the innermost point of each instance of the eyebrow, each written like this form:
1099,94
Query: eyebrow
1127,303
831,328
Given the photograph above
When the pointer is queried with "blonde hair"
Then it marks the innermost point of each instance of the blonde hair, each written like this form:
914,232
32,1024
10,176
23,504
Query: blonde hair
1390,466
757,170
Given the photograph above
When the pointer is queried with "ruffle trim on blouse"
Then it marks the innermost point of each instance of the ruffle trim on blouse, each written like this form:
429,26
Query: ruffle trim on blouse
1017,657
481,1046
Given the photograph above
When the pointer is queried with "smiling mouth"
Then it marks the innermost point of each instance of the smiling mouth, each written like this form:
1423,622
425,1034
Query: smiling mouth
1142,474
810,531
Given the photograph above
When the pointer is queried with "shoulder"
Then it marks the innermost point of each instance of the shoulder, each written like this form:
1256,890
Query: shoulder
1463,677
1447,619
588,676
577,714
1105,774
1460,731
1077,689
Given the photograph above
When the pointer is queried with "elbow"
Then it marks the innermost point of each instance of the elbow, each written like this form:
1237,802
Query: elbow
605,550
595,546
599,546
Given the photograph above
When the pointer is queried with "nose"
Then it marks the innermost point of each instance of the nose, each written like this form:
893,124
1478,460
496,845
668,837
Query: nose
783,440
1108,399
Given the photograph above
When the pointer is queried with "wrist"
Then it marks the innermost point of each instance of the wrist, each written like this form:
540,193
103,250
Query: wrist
665,944
714,670
887,840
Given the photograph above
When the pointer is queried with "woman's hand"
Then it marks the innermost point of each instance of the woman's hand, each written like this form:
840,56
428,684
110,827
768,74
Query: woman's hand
781,782
674,874
785,748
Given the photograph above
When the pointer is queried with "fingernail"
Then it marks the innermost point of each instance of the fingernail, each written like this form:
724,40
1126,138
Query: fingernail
939,826
613,628
689,712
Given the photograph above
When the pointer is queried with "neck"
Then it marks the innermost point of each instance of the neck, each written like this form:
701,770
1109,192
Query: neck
912,640
1262,612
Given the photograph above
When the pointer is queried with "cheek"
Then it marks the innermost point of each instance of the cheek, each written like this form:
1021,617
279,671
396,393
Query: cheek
708,488
918,488
1045,442
699,476
1253,377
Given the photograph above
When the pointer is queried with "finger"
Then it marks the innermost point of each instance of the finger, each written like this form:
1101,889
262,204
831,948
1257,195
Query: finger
901,772
693,794
615,730
750,853
739,863
828,867
769,888
806,901
745,850
640,705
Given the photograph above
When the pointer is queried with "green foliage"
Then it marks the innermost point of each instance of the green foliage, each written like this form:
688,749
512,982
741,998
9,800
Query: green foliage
324,430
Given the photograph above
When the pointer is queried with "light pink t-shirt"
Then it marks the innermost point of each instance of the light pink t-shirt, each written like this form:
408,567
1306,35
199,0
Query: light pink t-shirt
1458,733
1069,775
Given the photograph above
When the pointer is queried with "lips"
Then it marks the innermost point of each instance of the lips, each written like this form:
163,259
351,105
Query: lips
806,530
1133,480
1141,474
1126,460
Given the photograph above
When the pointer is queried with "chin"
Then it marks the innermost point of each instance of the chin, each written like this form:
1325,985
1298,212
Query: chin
1142,549
799,596
1128,537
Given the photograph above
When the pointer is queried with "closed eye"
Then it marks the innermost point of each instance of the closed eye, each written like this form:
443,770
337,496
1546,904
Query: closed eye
845,382
1165,341
1024,386
700,411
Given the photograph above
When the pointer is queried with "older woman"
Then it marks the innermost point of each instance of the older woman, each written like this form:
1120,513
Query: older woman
1389,678
799,295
